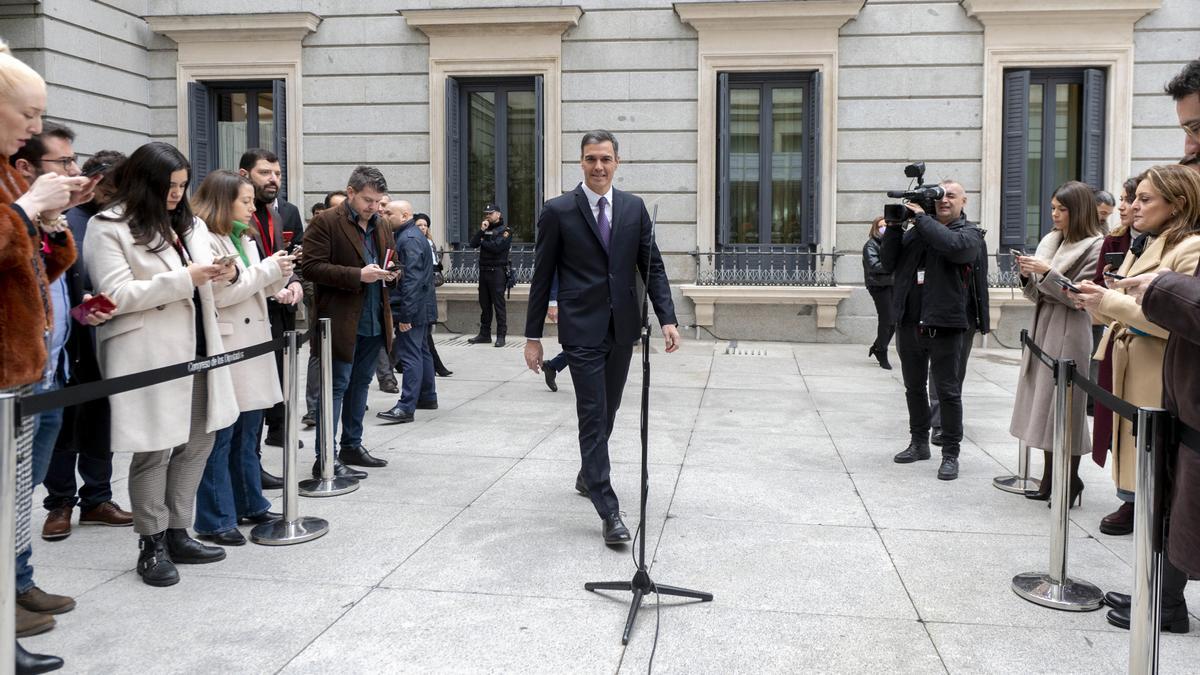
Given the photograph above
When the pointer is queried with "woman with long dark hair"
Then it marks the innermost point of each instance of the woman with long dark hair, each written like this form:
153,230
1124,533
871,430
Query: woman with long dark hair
879,285
231,490
154,259
1067,253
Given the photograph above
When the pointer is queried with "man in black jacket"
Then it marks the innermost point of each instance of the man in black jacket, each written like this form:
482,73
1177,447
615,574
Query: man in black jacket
493,240
937,303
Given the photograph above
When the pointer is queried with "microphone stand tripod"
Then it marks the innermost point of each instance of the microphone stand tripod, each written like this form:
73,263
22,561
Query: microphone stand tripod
642,585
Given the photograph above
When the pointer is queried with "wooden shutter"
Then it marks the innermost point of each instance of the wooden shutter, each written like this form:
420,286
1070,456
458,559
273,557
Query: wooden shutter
454,183
539,160
724,209
279,102
810,225
1015,154
1092,150
200,136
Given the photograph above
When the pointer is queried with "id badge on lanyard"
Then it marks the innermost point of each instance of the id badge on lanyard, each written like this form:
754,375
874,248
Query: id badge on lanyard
921,277
51,365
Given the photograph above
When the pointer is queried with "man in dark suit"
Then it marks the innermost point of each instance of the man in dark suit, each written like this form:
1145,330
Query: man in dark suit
344,254
598,241
280,227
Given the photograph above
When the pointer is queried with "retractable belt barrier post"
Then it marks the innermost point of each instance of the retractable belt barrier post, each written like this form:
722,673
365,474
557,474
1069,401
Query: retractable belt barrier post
1144,627
291,528
1055,589
328,485
8,526
1019,482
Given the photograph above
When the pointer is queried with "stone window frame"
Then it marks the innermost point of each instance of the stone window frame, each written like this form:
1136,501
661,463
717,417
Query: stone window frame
1056,34
268,47
533,47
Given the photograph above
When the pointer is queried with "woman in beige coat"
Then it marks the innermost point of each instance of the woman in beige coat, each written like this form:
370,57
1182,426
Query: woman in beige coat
1069,252
1170,242
231,489
154,259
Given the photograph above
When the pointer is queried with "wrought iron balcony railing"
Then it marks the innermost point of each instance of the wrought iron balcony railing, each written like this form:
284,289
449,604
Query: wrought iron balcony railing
765,266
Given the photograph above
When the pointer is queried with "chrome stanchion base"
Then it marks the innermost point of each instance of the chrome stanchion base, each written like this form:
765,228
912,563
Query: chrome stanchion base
1071,596
1016,484
319,487
282,533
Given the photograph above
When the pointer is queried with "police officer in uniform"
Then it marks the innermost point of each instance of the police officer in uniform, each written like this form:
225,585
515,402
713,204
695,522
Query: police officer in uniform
493,240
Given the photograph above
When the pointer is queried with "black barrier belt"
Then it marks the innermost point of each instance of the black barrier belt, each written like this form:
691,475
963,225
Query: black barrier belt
1051,362
1101,395
82,393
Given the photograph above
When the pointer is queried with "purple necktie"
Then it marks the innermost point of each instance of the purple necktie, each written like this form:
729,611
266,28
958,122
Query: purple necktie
602,223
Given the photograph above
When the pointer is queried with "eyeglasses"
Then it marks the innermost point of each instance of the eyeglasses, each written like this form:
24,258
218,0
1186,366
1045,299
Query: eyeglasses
1192,129
65,162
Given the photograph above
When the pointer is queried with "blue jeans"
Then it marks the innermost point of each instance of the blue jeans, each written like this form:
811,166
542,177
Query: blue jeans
413,349
45,433
231,485
351,383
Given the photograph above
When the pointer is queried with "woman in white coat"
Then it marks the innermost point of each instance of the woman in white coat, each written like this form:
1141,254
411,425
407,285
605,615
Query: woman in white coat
153,258
231,490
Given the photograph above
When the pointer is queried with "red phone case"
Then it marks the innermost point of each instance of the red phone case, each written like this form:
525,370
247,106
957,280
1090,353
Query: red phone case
97,303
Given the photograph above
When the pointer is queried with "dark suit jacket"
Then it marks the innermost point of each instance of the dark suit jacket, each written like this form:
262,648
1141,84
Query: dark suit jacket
333,257
596,285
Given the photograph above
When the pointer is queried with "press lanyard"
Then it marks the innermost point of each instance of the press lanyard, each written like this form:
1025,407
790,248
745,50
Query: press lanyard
39,271
269,234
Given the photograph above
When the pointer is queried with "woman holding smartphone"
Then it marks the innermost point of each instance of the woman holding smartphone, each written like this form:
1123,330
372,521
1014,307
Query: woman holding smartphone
154,259
231,490
1167,211
1067,255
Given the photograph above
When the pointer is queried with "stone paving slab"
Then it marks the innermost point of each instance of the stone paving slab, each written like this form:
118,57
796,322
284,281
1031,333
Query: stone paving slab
772,487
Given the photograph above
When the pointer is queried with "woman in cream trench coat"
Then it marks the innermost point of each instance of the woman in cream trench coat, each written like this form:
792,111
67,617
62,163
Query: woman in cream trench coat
156,285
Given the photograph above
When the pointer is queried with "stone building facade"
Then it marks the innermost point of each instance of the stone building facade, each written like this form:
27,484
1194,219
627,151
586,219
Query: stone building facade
830,98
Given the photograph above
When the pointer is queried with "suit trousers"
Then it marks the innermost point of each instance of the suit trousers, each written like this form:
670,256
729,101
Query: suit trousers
412,349
932,355
964,355
62,490
162,484
491,296
598,374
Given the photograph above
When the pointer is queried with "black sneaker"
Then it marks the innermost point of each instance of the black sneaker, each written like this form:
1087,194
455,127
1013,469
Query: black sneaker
949,468
915,451
309,420
482,338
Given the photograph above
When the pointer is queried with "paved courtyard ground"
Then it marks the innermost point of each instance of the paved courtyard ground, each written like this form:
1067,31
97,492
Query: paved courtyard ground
772,486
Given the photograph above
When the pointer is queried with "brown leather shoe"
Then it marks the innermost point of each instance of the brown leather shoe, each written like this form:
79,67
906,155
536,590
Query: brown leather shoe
58,523
37,600
108,513
1118,522
32,623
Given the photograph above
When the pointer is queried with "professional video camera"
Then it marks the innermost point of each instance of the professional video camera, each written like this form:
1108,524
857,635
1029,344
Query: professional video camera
925,196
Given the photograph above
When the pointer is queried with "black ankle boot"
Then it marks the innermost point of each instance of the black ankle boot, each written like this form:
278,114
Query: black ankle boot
154,565
32,664
187,551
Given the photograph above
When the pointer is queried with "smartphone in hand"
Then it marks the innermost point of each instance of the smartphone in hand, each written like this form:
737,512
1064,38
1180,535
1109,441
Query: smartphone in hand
225,259
97,303
1114,260
1114,275
1068,286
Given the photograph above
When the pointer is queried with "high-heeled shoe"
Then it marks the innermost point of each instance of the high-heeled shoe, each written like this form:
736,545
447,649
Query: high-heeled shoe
1042,494
881,356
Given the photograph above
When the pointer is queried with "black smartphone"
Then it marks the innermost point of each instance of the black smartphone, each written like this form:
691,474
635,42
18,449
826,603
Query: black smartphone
1069,286
99,168
1114,260
1114,275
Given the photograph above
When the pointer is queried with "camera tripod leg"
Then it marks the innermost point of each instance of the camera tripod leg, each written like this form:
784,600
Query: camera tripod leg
638,594
608,586
682,592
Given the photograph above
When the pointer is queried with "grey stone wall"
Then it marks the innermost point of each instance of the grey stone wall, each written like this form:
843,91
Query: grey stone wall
1164,41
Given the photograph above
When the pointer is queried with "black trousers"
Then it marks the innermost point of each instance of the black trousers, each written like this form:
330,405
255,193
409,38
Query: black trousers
598,374
60,483
282,320
882,295
932,355
491,297
966,343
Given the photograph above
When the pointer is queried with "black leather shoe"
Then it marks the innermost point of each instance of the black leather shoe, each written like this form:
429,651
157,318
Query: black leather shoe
264,517
427,405
936,437
187,551
390,387
500,341
226,538
269,481
615,531
580,487
396,415
309,420
1118,600
443,372
154,565
1170,620
32,664
915,451
551,376
482,338
949,468
339,470
276,439
360,457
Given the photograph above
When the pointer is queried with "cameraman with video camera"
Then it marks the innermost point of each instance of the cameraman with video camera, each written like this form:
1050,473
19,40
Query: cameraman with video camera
940,300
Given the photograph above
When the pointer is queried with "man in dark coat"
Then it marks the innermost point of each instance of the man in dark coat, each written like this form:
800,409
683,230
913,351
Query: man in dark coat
599,241
344,251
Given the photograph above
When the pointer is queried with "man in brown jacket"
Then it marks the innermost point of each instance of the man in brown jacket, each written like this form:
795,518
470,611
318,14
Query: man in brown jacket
345,249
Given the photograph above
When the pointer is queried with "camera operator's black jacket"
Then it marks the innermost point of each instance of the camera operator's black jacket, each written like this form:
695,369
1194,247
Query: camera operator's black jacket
493,244
955,293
